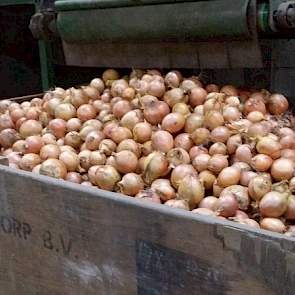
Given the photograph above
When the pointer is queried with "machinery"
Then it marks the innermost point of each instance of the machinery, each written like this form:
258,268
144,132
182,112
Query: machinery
244,42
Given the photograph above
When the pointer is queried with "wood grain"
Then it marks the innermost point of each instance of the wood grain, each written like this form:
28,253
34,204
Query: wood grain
58,238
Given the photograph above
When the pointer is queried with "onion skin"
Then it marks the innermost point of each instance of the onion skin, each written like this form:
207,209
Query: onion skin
178,156
258,187
179,204
131,184
227,206
246,176
173,122
162,141
107,177
240,193
191,190
209,203
126,161
163,189
181,171
148,195
277,104
261,162
184,141
53,168
273,204
207,178
273,224
229,176
282,169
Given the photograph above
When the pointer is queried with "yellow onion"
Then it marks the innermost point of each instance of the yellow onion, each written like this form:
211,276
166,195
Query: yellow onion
107,177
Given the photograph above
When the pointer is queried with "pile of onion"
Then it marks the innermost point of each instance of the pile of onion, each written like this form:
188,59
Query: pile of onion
215,150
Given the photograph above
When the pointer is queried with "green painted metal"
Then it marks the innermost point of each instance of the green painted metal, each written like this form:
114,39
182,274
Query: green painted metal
263,18
64,5
181,22
16,2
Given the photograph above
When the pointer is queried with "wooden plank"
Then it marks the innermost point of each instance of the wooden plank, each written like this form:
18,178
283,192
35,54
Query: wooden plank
58,238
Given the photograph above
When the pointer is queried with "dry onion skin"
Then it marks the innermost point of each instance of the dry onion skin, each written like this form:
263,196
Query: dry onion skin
165,138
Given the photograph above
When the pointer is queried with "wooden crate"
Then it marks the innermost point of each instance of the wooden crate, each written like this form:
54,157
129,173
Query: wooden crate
59,238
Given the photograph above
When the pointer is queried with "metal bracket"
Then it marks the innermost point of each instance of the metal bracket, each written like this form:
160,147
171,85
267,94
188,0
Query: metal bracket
42,24
284,16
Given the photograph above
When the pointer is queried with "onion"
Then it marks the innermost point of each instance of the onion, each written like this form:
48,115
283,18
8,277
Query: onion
97,158
155,166
73,124
285,131
36,169
201,161
57,127
107,177
246,176
19,146
261,162
290,212
8,137
218,148
147,148
142,132
162,141
93,140
111,161
288,154
86,112
277,104
51,105
110,75
213,119
193,122
78,97
181,108
197,96
119,134
73,139
154,112
288,142
163,189
267,145
240,193
118,87
179,172
220,134
199,110
106,96
255,116
130,119
216,189
34,144
48,138
156,88
204,211
273,224
29,161
200,136
148,195
254,104
107,128
243,153
229,90
4,104
64,148
126,161
191,190
178,156
129,145
233,142
86,183
65,111
292,184
173,79
128,93
227,205
173,122
258,129
30,127
188,84
180,204
16,114
207,178
249,222
50,151
231,113
273,204
196,150
107,146
174,96
70,159
217,163
131,184
120,108
53,168
229,176
73,177
84,157
93,123
183,141
209,203
282,169
91,173
212,88
14,157
98,84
